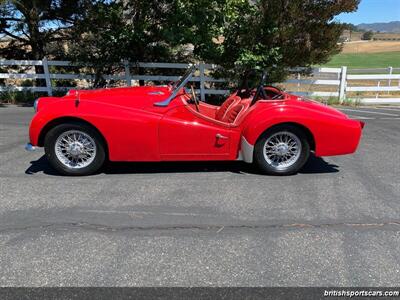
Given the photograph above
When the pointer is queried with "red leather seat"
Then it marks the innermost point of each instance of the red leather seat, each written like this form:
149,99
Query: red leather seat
235,111
224,108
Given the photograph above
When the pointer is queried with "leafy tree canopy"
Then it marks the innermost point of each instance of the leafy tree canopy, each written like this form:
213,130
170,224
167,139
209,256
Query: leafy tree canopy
236,34
132,30
271,34
32,26
350,26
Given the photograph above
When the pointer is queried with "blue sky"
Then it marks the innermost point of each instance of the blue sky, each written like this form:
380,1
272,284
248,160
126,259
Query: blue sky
372,11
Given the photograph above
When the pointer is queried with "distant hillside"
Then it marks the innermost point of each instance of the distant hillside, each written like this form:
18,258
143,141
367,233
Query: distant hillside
392,27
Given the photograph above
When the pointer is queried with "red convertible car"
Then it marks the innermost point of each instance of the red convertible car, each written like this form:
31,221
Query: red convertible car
263,125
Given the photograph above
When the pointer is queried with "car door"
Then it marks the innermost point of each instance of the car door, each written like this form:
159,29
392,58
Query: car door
184,135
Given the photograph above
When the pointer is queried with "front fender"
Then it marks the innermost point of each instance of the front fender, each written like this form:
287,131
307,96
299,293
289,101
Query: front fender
131,134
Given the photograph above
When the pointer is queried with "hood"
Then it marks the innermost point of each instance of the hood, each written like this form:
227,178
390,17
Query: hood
136,97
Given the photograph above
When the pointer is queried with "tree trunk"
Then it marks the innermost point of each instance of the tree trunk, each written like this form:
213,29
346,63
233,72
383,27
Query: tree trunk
36,40
141,72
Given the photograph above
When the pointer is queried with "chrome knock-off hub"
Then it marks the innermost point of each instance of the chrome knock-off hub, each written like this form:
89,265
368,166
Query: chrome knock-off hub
75,149
282,149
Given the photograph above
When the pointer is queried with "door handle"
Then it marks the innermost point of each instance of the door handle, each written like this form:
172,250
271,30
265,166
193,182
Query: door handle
221,137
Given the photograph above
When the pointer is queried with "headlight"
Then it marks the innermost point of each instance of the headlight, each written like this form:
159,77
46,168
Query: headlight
35,105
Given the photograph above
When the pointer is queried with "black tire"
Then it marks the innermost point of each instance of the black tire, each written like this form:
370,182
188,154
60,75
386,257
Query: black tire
51,139
268,168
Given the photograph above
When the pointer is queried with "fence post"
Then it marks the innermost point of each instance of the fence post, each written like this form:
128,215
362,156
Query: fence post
47,76
377,93
390,80
342,87
202,89
298,83
127,73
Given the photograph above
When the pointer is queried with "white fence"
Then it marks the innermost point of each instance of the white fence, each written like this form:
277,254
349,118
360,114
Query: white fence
322,82
352,84
126,75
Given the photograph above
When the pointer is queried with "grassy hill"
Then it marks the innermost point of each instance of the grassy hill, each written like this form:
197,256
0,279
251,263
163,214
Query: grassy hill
366,60
368,54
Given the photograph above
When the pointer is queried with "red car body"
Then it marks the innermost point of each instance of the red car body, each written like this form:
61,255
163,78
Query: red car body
134,128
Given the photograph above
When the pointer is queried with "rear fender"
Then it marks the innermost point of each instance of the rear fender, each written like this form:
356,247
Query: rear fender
328,134
260,121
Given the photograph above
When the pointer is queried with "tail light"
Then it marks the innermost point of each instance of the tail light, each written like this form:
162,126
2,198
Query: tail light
362,124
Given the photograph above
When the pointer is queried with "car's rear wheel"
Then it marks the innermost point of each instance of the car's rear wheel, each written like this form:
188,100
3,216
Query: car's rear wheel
74,149
282,150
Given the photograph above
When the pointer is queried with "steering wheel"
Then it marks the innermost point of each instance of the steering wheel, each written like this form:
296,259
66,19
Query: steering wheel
260,93
276,96
196,101
276,90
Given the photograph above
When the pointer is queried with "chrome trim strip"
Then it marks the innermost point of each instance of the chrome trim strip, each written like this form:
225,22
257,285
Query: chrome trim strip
156,93
35,105
246,150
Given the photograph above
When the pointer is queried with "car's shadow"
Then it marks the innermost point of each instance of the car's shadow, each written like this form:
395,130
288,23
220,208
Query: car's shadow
314,165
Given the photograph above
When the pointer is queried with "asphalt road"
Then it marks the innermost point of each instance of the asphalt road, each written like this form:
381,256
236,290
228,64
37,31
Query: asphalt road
205,224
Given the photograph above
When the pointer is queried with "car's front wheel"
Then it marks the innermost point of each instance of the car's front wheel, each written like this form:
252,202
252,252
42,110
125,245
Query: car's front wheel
282,150
74,149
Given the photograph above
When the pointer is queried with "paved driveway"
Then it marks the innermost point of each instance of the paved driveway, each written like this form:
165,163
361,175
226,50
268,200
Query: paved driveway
335,223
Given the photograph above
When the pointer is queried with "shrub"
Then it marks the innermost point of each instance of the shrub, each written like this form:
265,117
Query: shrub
19,97
368,35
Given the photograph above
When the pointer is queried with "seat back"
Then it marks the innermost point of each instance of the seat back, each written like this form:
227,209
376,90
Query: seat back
235,112
232,113
223,109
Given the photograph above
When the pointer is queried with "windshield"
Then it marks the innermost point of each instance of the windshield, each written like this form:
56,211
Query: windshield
178,85
184,77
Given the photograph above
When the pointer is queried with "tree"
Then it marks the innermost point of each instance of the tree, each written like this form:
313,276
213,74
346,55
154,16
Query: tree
367,35
130,30
350,26
36,28
32,25
236,34
272,34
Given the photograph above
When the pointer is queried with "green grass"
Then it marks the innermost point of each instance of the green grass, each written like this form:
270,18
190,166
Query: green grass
365,60
335,101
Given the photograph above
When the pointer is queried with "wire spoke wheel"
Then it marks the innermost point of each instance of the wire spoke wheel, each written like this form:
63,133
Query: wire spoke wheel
75,149
282,150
